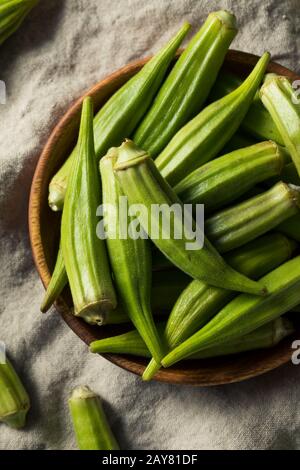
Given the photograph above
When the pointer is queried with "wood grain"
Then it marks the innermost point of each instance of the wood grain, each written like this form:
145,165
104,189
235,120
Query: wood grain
44,233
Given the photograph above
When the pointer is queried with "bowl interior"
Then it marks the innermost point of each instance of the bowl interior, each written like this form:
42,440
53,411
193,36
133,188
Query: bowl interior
44,233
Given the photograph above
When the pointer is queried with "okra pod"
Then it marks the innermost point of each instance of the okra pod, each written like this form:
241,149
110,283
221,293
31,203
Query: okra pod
266,336
245,313
83,252
58,281
89,421
14,400
198,303
166,287
277,95
289,174
237,225
204,136
188,84
120,115
291,227
130,259
12,14
257,121
143,184
226,178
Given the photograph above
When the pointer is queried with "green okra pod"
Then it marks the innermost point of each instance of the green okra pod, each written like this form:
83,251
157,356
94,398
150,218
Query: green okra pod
89,421
202,138
266,336
143,184
199,302
12,14
14,400
237,225
226,178
245,313
257,121
188,84
83,252
291,227
130,259
277,95
238,141
120,115
58,281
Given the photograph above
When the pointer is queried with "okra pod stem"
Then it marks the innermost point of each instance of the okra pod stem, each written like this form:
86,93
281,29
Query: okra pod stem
14,400
257,121
143,184
277,95
266,336
90,423
188,84
198,302
204,136
83,252
226,178
130,259
237,225
58,281
120,115
245,313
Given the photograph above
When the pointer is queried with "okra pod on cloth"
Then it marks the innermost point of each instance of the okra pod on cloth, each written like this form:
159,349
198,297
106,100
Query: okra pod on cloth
84,254
120,115
278,96
246,312
201,139
130,259
58,281
237,225
226,178
257,121
14,400
12,14
187,86
199,302
266,336
143,184
89,421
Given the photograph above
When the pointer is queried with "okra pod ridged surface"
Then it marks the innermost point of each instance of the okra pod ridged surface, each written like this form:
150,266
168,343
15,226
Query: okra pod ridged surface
130,259
205,135
120,115
14,400
58,281
226,178
188,84
237,225
142,184
89,421
166,287
84,254
257,121
198,303
277,95
245,313
266,336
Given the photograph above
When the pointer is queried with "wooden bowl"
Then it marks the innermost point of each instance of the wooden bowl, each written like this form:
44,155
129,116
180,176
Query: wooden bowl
44,232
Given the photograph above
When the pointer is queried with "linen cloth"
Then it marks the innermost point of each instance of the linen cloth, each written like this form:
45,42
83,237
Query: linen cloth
62,48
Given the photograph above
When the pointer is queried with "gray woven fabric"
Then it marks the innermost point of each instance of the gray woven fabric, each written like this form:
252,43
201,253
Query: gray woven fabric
62,48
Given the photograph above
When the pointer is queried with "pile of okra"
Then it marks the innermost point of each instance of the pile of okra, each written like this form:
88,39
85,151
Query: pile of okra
185,133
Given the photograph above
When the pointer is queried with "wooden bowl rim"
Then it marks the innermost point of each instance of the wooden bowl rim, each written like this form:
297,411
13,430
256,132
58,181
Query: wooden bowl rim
197,373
